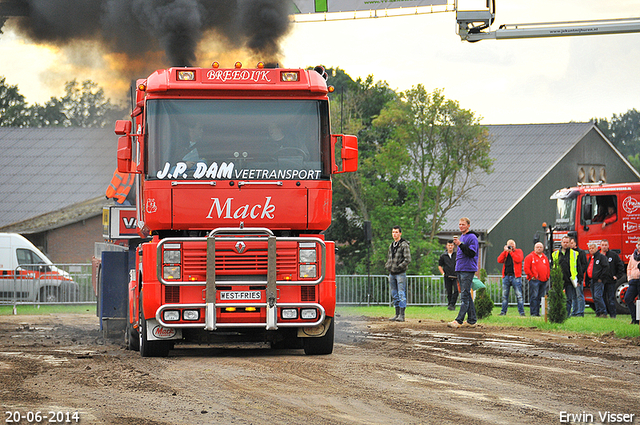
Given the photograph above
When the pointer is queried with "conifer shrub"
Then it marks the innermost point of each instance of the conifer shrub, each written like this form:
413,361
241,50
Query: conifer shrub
483,302
557,312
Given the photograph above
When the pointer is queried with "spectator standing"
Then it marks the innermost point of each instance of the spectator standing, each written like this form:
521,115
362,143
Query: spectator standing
466,267
447,266
597,273
616,272
537,269
511,259
633,277
567,259
398,259
577,309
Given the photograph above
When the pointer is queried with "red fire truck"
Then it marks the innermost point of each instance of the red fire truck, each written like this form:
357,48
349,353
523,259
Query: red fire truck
582,211
233,189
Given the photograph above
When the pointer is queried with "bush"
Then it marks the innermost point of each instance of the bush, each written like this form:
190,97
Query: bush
557,300
483,302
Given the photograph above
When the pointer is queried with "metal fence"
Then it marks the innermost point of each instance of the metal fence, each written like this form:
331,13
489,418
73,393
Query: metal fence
421,290
47,284
71,284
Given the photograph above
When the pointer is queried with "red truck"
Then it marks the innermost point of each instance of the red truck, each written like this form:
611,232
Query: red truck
234,191
582,212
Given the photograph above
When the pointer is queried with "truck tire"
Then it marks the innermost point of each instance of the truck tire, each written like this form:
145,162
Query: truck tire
621,290
150,348
131,338
321,345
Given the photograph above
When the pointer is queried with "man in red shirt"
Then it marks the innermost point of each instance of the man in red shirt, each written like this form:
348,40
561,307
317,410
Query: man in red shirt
511,260
536,267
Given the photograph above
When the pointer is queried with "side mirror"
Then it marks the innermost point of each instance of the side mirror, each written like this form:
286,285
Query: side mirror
123,127
345,153
124,154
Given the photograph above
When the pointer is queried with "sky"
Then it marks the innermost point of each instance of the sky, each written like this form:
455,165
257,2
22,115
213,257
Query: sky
547,80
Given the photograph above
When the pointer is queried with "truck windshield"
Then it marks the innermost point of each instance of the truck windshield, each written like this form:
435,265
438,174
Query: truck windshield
238,139
566,213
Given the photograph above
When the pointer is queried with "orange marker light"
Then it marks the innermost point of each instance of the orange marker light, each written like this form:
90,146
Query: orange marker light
260,65
215,65
238,65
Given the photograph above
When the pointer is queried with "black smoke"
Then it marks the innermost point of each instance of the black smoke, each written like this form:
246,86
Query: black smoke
140,28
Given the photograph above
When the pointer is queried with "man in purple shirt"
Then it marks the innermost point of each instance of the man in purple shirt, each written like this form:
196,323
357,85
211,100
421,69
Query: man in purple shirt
466,267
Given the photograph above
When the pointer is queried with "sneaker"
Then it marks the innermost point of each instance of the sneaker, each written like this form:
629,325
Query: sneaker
522,314
451,308
634,322
468,325
502,314
454,324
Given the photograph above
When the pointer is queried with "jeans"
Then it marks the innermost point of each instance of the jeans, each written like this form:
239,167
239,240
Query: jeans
597,290
398,285
610,298
451,286
570,292
507,283
466,302
578,305
630,296
536,292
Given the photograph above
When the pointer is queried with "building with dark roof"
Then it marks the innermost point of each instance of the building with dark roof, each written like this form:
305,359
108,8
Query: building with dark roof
53,181
52,185
532,161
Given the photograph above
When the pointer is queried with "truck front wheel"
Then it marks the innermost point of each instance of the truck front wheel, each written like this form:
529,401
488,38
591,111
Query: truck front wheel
320,345
621,290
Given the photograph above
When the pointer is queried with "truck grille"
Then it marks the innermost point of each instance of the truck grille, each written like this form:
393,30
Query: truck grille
252,261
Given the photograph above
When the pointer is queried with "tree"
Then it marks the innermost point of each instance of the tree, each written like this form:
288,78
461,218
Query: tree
434,151
85,105
623,130
354,104
12,106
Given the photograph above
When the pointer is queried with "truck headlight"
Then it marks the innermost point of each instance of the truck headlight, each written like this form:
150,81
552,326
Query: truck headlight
171,257
307,255
307,270
171,272
289,313
171,315
191,315
309,313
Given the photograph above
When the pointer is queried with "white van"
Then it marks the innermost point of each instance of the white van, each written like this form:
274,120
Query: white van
27,275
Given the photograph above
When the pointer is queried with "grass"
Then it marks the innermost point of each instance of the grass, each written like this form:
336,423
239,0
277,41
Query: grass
28,309
587,325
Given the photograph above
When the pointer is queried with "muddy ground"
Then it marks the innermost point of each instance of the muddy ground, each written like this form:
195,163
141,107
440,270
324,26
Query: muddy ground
416,372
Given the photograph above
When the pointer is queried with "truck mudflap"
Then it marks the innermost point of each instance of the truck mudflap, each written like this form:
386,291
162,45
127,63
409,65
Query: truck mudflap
157,331
315,331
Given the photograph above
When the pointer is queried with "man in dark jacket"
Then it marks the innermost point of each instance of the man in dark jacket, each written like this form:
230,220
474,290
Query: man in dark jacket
398,259
447,267
617,271
597,274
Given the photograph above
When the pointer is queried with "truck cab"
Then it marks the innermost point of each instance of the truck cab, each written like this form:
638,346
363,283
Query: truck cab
600,211
234,182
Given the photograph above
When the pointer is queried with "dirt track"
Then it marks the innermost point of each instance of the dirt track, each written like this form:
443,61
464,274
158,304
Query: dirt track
380,373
